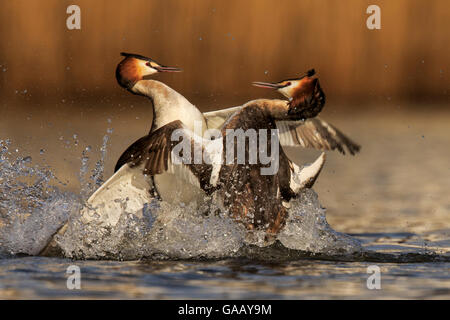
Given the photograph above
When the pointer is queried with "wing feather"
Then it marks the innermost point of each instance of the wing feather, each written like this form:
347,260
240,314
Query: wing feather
153,152
315,133
215,119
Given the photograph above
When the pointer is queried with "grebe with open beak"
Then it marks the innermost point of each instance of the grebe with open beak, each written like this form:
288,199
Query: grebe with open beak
258,201
132,73
311,131
255,201
139,184
147,165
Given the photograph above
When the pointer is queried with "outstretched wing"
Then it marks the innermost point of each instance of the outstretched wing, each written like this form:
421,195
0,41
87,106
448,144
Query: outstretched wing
312,133
216,119
315,133
152,150
154,154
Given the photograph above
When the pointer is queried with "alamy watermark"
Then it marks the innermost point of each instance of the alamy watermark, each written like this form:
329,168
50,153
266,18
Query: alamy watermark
374,280
374,20
73,22
74,279
212,142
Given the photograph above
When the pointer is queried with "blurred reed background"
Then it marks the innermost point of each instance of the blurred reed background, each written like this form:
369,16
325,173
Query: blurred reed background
224,45
387,89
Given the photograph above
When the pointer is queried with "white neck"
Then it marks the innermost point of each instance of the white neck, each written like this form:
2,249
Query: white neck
168,105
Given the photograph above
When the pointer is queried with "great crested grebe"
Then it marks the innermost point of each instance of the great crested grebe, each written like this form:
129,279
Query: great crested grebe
315,132
168,105
311,132
256,200
146,164
130,188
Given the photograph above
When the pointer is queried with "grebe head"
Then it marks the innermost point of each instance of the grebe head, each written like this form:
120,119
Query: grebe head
306,98
135,67
292,87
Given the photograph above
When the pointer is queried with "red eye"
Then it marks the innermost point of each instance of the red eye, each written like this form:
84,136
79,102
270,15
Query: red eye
148,64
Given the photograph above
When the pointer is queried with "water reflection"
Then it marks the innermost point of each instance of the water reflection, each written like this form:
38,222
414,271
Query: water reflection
35,277
393,197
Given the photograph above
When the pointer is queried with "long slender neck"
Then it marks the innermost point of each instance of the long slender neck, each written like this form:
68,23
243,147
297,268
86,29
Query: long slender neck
168,105
275,108
161,95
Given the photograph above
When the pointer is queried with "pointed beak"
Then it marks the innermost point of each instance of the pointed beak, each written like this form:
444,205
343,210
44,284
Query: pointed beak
167,69
266,85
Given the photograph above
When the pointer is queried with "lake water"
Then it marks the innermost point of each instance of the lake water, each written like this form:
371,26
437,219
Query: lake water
393,198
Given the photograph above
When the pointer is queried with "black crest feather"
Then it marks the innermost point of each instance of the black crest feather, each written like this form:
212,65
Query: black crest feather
311,72
133,55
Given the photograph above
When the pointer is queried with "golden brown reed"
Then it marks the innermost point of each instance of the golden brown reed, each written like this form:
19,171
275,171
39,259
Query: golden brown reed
224,45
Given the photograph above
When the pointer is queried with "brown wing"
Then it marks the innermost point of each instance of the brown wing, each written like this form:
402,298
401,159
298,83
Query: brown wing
252,198
315,133
154,150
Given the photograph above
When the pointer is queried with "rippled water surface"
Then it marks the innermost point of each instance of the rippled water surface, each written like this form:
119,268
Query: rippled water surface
393,198
35,277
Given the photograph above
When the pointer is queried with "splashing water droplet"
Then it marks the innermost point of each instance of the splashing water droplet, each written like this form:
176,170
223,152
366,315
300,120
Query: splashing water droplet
31,209
159,230
27,159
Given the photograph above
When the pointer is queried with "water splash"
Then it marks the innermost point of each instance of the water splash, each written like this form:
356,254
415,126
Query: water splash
35,210
85,187
32,209
88,186
163,232
97,174
307,229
